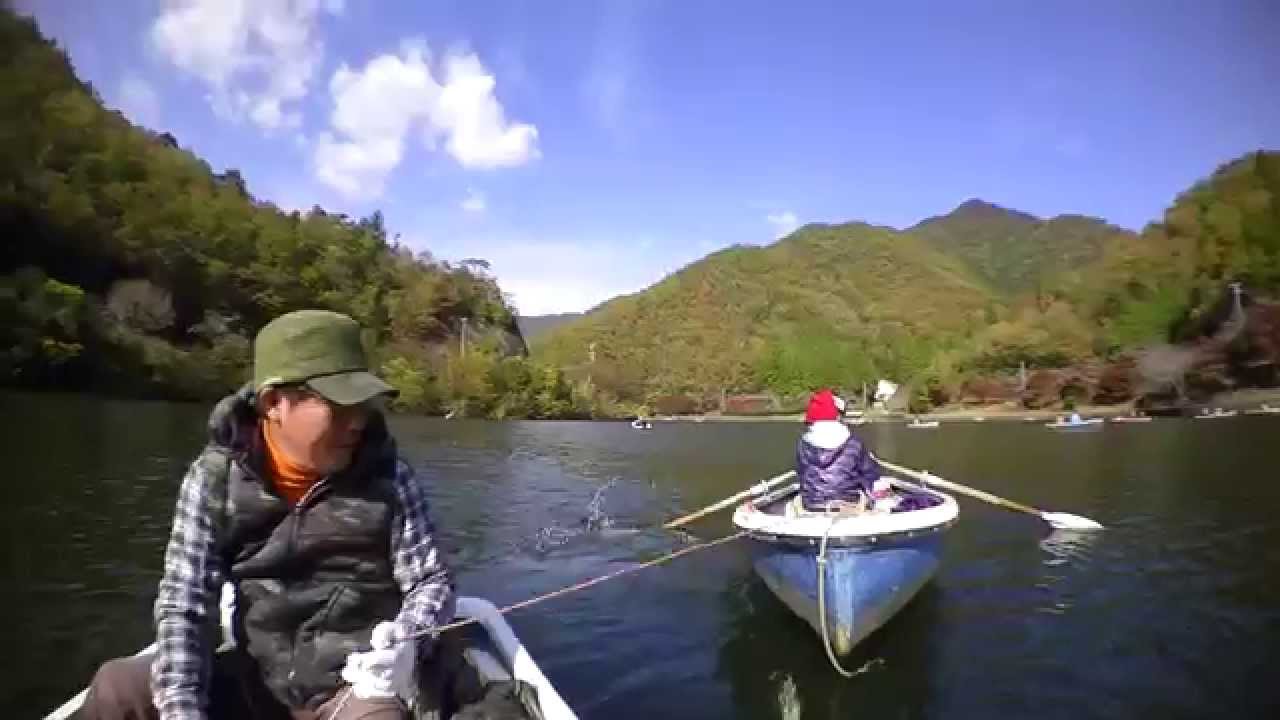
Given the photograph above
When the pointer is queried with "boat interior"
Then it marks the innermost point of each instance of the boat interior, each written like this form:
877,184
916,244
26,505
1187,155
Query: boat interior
890,496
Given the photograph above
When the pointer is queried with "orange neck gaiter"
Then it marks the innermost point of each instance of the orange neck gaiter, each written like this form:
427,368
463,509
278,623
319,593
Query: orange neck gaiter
291,479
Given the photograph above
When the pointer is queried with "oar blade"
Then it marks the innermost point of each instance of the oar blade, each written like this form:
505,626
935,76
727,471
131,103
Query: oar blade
1067,521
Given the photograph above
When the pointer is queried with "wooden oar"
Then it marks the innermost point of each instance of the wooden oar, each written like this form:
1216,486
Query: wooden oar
1060,520
757,489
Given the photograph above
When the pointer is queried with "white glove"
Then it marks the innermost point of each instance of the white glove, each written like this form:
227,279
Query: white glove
387,670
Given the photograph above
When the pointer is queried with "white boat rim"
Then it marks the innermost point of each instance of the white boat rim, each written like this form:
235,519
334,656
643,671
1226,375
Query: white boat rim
520,663
752,519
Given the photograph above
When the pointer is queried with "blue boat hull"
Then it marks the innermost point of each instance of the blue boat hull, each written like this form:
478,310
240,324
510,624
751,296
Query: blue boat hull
865,585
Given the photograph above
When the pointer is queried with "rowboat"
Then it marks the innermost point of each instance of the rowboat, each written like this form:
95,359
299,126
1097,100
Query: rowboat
1215,414
922,424
1075,423
490,647
847,575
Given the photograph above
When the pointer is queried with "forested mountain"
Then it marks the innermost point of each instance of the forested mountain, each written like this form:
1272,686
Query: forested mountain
531,326
980,290
130,266
826,304
1013,252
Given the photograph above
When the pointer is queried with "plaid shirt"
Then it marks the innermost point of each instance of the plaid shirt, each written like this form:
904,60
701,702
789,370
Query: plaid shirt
194,572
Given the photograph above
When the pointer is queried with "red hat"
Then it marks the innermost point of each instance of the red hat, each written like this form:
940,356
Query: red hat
822,406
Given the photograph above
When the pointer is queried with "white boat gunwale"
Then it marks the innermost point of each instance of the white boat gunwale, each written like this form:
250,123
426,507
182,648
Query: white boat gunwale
519,664
849,531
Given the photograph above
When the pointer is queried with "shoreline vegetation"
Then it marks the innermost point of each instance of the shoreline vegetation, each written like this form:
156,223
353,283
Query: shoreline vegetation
134,269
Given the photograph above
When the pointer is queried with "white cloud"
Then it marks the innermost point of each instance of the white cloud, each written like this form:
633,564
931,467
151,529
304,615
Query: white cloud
474,202
139,101
257,57
784,223
375,108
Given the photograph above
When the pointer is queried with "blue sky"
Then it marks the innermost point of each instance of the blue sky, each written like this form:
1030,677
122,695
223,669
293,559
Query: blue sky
588,148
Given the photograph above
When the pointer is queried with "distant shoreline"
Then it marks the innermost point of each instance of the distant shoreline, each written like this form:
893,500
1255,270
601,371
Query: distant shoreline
1240,400
1247,399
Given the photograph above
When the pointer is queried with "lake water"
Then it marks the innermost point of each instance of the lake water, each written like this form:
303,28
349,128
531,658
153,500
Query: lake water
1173,611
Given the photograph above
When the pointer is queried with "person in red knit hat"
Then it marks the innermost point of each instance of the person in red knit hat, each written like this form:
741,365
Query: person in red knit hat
832,464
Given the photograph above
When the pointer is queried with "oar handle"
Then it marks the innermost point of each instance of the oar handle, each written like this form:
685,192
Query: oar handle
936,481
757,489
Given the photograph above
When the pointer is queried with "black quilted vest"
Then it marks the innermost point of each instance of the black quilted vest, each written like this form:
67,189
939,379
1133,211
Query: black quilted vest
312,580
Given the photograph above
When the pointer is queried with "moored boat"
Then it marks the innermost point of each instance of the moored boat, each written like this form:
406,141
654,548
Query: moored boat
847,575
1215,414
1075,422
490,648
1131,419
922,424
1264,409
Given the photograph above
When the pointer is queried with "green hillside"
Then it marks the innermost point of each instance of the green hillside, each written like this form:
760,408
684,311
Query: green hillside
531,326
828,304
1014,252
981,290
129,266
1154,286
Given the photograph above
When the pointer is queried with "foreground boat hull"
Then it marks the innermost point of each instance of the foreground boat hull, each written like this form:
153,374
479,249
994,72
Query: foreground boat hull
492,649
864,586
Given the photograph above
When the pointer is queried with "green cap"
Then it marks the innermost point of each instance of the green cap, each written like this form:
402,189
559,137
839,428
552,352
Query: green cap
320,349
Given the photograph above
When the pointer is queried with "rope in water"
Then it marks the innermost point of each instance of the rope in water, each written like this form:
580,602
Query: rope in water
558,593
586,583
845,511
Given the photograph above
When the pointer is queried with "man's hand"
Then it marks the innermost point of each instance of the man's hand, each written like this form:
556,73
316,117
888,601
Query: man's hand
387,670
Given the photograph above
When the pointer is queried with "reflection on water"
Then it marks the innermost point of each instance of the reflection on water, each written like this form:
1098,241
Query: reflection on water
789,705
1169,612
1065,546
1067,556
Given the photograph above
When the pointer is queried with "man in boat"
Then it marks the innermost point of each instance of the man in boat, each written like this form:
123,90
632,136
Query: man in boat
301,502
834,467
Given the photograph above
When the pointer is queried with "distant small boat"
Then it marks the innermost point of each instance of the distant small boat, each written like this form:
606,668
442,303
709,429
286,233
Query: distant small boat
639,424
1130,419
451,415
875,563
1075,423
1215,414
1265,409
922,424
980,419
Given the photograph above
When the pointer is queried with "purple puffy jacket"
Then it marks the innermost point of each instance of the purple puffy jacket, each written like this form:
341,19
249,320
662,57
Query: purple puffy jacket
841,473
